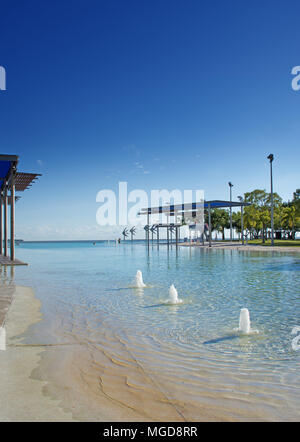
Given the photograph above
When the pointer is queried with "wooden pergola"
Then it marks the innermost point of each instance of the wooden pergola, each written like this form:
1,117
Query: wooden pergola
11,181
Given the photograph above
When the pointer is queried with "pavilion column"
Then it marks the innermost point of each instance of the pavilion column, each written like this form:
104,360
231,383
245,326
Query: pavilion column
5,220
209,225
1,224
242,224
12,218
148,231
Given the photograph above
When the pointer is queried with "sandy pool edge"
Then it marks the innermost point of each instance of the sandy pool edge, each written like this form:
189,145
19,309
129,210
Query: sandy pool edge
22,397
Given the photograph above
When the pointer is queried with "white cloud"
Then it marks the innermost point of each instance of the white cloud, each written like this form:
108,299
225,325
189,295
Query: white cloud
139,167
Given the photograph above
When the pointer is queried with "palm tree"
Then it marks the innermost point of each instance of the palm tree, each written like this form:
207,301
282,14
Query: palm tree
251,220
296,201
264,219
289,219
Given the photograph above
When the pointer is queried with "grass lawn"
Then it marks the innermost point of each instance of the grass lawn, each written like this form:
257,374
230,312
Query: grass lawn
277,242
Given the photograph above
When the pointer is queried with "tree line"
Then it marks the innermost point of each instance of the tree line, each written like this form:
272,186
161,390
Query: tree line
257,216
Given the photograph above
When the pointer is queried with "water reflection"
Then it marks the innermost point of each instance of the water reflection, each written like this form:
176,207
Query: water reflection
2,339
7,275
7,289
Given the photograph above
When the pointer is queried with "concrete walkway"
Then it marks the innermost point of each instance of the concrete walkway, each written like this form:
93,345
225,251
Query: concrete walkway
6,261
243,248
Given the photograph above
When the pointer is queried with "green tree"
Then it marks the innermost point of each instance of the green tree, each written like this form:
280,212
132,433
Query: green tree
264,221
257,197
278,217
289,220
258,218
260,198
296,201
237,221
251,221
220,221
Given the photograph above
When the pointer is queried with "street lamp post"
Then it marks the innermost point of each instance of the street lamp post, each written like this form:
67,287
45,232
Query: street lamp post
230,187
271,158
242,218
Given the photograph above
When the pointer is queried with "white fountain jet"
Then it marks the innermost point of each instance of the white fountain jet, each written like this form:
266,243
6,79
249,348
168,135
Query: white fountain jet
173,296
138,280
245,324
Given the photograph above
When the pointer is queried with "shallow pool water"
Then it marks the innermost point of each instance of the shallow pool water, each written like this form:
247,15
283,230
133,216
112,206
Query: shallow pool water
192,349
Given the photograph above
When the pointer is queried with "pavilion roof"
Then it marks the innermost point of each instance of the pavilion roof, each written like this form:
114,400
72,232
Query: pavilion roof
8,166
188,207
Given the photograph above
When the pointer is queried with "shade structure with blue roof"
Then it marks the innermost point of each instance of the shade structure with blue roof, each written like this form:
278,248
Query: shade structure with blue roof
188,209
11,180
7,162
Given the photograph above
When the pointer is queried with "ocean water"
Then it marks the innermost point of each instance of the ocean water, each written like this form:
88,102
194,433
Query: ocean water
144,353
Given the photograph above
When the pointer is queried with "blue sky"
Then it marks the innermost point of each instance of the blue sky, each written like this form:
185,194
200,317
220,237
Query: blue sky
161,94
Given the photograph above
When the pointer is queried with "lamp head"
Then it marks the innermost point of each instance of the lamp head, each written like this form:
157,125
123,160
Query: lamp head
230,184
271,157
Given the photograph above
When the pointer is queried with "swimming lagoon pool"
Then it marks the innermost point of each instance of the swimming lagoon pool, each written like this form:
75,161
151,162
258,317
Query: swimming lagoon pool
146,353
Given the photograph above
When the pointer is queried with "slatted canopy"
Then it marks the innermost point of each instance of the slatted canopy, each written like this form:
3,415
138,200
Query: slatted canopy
24,180
11,181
